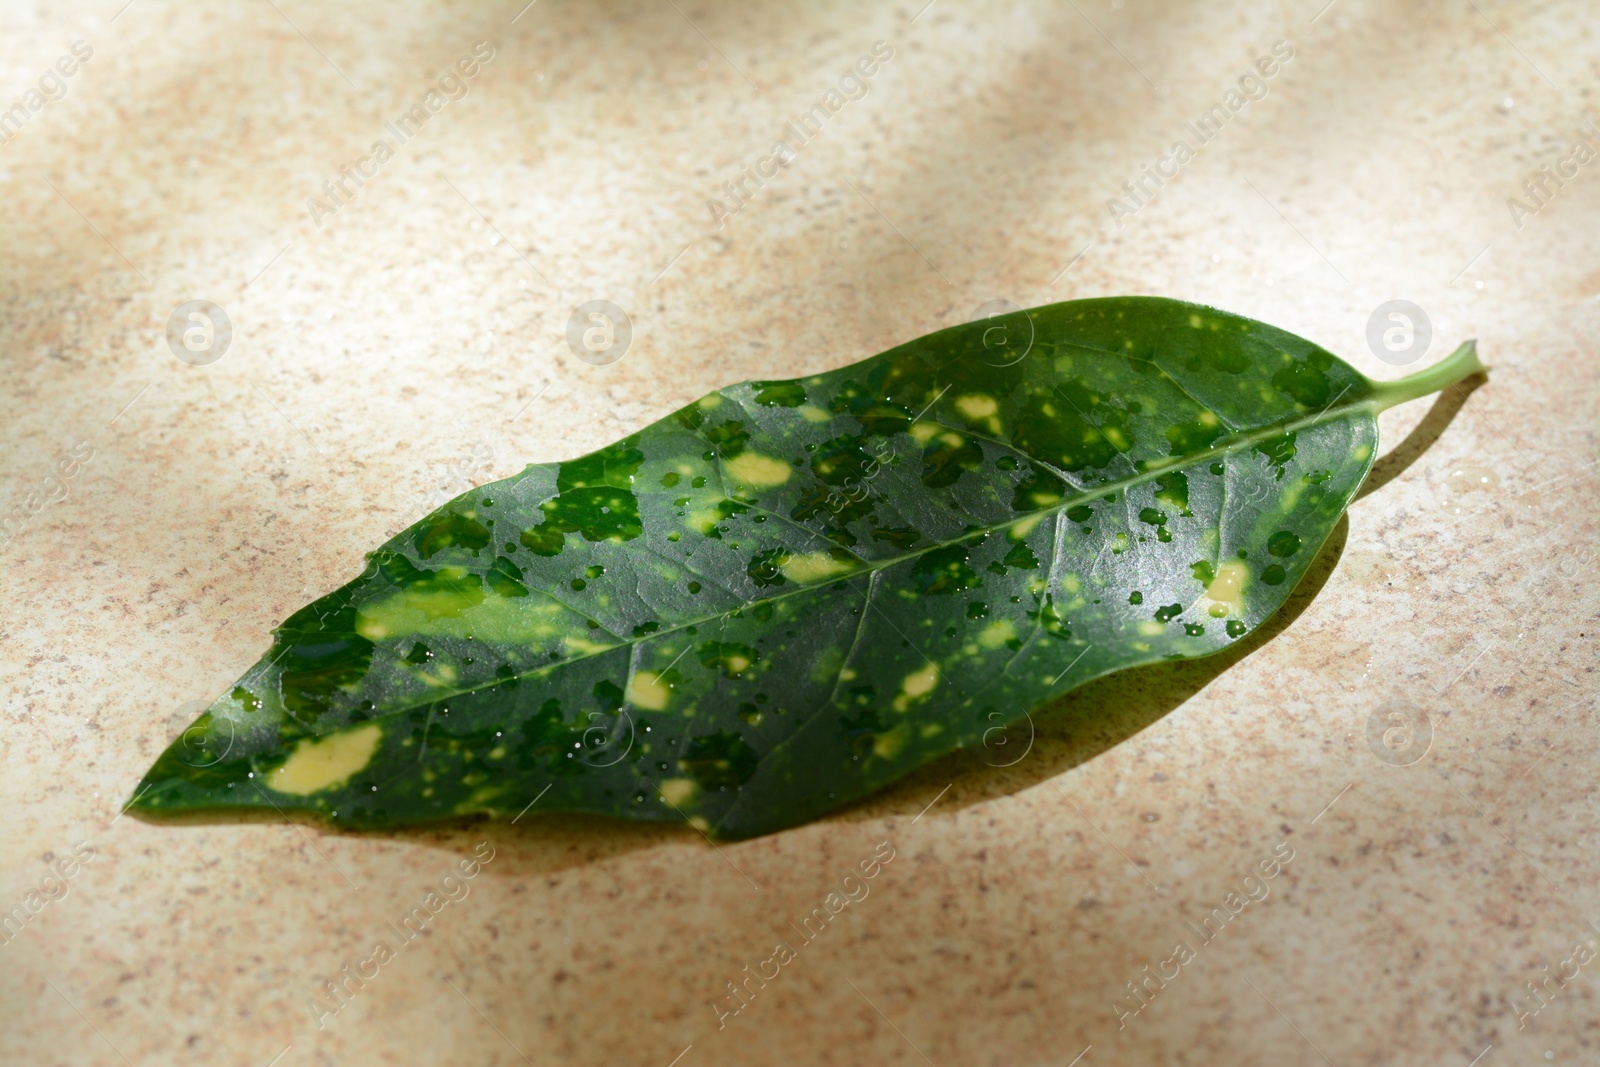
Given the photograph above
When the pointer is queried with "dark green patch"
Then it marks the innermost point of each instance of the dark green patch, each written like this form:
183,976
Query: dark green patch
610,696
766,568
1074,427
842,460
729,438
1278,450
719,761
729,657
504,578
1039,488
594,498
878,415
1018,557
899,537
779,394
1187,438
945,571
1172,489
947,456
1283,544
861,730
1049,621
721,512
449,530
1306,381
1218,358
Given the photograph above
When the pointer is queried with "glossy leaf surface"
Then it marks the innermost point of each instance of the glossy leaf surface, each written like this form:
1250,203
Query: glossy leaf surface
783,596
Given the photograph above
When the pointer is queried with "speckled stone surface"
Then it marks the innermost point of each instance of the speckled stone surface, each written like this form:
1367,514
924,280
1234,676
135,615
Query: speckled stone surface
413,344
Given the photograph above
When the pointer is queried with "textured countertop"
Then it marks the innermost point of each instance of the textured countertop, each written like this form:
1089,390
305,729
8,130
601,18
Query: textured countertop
401,341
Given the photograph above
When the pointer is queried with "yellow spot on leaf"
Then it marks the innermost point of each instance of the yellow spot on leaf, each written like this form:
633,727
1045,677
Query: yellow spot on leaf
679,791
813,567
752,468
920,683
370,628
704,521
322,763
923,432
1227,588
648,692
826,667
812,413
1022,529
996,634
443,676
888,745
977,406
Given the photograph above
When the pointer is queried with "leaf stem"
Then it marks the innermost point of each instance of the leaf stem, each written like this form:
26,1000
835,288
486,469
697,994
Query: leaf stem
1461,364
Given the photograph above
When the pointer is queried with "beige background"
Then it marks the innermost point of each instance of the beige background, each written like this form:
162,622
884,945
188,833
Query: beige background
413,344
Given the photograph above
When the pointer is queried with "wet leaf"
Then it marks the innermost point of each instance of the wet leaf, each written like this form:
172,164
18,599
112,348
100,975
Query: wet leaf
783,596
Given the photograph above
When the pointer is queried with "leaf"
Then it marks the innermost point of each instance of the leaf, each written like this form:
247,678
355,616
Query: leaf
787,594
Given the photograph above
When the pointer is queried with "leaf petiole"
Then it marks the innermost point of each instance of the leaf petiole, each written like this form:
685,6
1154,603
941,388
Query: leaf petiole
1459,365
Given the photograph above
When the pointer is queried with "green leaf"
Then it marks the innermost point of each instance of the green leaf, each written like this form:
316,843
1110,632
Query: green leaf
787,594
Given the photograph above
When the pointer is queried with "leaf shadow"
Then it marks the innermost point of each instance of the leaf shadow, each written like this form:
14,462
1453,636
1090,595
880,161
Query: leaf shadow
1421,438
1088,721
546,844
543,843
